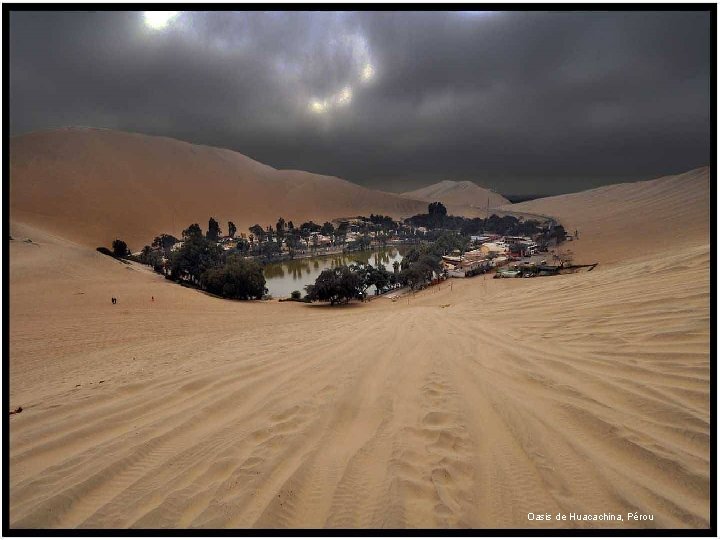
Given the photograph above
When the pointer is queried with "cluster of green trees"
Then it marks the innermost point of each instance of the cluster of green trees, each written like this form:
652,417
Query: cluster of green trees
437,218
444,242
557,233
257,244
336,285
344,283
385,222
284,231
419,267
120,249
237,278
203,263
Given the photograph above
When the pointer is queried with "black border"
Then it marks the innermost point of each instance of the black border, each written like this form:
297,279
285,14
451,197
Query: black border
711,8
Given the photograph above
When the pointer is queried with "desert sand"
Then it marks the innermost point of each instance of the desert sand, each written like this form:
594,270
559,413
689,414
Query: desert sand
452,193
633,220
470,405
94,185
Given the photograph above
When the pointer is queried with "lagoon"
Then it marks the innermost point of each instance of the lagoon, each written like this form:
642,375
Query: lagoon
285,277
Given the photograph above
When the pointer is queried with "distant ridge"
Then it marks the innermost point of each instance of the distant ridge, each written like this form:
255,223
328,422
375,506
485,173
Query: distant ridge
450,192
93,185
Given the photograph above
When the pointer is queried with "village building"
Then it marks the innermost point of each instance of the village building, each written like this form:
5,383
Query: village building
489,248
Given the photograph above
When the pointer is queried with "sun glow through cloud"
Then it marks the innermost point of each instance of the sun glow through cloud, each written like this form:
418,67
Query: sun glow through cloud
368,73
297,69
340,99
157,20
363,72
318,106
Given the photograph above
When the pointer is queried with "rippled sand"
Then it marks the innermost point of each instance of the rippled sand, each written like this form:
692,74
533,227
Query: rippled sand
463,407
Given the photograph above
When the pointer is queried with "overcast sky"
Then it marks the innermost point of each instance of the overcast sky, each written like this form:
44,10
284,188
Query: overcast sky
521,102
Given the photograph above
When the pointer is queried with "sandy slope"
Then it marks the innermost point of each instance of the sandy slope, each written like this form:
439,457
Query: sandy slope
465,193
467,406
625,221
93,185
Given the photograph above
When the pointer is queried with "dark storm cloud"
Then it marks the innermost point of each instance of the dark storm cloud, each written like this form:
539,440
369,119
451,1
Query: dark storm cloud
523,102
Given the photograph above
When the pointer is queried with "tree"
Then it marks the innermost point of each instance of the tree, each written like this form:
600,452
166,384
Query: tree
240,279
120,249
415,276
412,276
444,242
437,209
290,226
280,228
558,233
342,230
258,231
232,229
437,214
242,245
295,295
214,231
336,285
165,242
432,262
145,255
269,249
418,267
152,257
380,278
327,229
193,230
292,242
197,255
309,227
364,272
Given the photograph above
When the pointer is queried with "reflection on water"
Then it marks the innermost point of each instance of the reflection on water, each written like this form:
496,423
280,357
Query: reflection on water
288,276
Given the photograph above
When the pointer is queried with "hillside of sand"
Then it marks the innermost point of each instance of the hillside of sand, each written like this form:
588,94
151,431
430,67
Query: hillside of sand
94,185
633,220
468,405
454,193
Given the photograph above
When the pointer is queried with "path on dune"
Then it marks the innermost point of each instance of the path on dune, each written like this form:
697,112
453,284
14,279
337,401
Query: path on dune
405,414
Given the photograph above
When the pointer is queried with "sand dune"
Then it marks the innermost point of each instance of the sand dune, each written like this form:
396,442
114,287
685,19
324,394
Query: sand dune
625,221
585,394
458,194
94,185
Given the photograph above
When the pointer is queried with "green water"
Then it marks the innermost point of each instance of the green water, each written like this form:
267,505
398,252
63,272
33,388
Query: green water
288,276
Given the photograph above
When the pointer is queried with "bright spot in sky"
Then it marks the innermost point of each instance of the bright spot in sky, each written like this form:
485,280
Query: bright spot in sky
341,98
344,96
367,72
318,106
352,47
157,20
362,72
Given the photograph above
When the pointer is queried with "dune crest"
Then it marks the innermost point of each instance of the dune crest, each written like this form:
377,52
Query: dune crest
633,220
463,193
94,185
